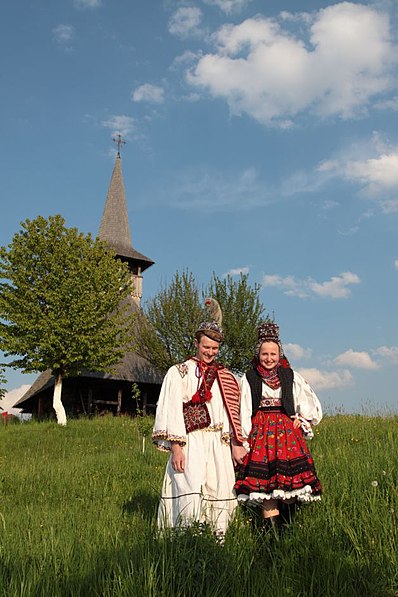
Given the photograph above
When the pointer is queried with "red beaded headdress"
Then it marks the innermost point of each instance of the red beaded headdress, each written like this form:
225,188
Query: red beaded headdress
268,331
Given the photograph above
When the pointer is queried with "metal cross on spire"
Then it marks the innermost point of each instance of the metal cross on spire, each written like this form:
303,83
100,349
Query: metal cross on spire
118,139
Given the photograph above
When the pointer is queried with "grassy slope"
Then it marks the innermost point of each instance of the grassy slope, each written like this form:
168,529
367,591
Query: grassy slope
78,507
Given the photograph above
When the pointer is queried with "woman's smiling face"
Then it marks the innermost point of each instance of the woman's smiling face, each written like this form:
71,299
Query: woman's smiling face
269,354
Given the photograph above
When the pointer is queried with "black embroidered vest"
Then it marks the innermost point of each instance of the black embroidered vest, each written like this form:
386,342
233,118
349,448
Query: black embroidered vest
285,375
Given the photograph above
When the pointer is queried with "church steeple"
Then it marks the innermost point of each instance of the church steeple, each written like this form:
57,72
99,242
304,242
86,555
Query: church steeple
115,230
114,227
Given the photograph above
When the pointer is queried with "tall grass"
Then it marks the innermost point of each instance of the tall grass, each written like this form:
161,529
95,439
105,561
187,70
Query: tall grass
78,505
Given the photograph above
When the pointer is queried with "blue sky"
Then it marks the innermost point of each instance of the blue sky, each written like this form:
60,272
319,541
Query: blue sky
260,137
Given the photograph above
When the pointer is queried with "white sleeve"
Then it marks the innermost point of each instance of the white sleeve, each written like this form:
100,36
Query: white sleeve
245,407
169,420
306,401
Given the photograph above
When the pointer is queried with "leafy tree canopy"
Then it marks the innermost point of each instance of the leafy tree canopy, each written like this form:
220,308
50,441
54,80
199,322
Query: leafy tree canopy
60,300
3,382
167,325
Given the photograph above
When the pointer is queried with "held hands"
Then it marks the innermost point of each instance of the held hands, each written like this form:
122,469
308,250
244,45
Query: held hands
177,457
238,454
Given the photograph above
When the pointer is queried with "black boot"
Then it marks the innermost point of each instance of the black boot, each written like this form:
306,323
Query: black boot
272,525
287,511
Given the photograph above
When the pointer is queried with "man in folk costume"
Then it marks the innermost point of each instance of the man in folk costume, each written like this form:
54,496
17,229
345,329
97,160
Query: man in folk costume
198,421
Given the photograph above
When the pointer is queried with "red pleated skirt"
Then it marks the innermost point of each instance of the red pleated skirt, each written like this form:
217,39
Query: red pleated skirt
279,464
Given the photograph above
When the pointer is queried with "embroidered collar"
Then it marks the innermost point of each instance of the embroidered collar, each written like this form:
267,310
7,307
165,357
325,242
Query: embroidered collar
269,376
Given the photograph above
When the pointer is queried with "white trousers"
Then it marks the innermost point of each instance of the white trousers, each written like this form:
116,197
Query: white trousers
204,491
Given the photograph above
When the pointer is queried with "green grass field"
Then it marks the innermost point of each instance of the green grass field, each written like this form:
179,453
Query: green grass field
77,518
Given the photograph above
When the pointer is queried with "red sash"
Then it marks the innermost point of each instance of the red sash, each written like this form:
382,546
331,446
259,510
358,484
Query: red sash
230,393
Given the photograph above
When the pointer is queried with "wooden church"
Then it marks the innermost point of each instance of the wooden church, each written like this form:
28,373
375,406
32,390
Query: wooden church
98,393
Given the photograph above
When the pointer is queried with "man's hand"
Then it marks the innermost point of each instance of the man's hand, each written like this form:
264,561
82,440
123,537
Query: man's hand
177,457
238,454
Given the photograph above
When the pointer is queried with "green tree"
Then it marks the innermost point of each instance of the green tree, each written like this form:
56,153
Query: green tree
63,303
168,322
242,313
3,382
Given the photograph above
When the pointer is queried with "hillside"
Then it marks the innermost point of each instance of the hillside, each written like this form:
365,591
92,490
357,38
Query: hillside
78,505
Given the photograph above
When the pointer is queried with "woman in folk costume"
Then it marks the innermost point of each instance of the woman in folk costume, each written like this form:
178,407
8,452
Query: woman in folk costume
278,409
198,421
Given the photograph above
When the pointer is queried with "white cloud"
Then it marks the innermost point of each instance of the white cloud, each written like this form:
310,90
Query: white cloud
335,288
325,380
185,59
148,93
389,206
87,3
237,271
191,97
295,352
329,204
298,17
343,60
388,353
396,264
288,284
372,164
63,34
185,21
388,104
360,360
12,397
228,6
375,174
120,124
380,172
206,189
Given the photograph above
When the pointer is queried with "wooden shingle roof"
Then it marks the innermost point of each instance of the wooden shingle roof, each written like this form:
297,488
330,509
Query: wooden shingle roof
114,228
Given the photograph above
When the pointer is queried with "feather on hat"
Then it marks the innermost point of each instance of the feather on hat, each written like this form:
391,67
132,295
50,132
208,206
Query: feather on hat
212,327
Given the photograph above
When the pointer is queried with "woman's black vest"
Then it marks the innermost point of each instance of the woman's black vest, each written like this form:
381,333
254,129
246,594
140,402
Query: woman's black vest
285,375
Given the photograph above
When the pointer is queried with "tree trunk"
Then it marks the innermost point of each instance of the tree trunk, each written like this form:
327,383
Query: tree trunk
57,402
119,401
90,401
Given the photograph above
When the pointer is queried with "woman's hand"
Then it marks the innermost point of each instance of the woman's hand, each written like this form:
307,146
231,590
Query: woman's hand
177,457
